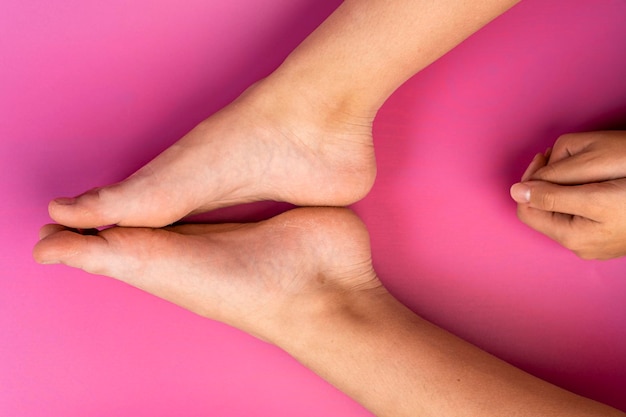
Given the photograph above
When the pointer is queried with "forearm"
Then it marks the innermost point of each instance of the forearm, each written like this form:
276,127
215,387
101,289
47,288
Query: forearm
367,48
397,364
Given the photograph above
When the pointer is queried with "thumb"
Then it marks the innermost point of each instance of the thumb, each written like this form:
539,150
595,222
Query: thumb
573,200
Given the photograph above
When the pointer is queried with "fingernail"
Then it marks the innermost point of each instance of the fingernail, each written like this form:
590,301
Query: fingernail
548,152
531,167
520,193
65,201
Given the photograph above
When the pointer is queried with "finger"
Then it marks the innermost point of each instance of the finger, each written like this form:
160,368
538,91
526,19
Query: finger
548,153
563,228
581,158
572,200
568,145
538,161
582,168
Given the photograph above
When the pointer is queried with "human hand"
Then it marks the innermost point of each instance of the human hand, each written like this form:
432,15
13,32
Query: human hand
270,144
582,158
263,278
577,195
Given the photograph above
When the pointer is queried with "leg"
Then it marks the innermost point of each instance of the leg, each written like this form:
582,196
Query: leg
303,134
320,301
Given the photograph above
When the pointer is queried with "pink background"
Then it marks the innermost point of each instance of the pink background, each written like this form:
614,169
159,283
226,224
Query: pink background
91,90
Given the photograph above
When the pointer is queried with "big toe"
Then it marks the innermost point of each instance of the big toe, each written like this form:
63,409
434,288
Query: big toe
133,202
94,208
109,252
61,245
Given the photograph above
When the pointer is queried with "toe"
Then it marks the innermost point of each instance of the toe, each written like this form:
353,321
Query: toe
49,229
114,252
137,201
61,245
94,208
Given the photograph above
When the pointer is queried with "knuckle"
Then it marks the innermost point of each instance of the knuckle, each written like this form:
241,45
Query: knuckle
564,140
567,143
547,200
566,137
547,173
561,141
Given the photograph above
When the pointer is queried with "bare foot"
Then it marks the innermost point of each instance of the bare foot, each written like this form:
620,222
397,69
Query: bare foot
259,277
267,145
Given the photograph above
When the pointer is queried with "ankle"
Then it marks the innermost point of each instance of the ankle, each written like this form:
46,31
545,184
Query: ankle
282,95
306,323
336,140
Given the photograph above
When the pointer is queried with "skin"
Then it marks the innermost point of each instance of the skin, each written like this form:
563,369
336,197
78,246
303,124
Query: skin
303,135
576,194
322,302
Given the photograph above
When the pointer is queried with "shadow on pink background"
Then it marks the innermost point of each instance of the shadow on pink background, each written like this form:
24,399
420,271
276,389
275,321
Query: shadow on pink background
90,91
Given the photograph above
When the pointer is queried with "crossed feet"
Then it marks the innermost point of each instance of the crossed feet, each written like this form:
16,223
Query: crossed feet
258,277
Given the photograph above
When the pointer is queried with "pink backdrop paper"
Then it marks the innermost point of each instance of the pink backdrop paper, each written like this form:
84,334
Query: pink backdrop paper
90,90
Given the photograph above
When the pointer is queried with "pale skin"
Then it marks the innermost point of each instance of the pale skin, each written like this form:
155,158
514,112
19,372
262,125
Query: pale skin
576,195
303,135
322,302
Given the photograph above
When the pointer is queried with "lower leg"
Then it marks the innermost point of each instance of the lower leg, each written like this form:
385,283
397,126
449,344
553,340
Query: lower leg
304,281
302,135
